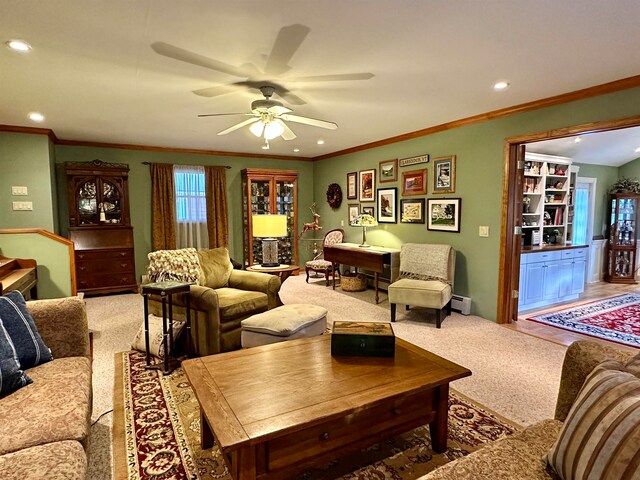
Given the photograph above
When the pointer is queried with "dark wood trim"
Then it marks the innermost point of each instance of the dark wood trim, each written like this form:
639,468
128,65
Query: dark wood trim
30,130
610,87
57,238
508,249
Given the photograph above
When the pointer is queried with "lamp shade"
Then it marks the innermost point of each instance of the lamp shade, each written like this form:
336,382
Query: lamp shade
364,220
269,226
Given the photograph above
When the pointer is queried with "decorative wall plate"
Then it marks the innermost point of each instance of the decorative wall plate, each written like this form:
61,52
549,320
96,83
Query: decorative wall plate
334,195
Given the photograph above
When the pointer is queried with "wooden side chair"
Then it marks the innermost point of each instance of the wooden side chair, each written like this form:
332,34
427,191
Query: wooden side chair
319,264
426,279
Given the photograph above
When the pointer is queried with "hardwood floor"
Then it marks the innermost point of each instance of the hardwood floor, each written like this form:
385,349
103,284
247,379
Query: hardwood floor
593,291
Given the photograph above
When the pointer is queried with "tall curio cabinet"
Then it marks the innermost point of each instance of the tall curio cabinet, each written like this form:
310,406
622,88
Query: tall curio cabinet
621,254
266,191
100,226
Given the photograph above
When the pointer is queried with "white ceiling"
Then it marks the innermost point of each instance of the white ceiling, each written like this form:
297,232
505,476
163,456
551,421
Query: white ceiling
95,77
613,148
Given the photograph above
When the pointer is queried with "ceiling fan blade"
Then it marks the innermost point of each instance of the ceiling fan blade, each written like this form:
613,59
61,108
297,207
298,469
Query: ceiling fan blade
239,126
333,78
287,43
288,133
309,121
183,55
216,91
290,97
222,114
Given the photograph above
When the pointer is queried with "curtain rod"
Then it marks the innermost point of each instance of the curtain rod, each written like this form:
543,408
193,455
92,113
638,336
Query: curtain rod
225,166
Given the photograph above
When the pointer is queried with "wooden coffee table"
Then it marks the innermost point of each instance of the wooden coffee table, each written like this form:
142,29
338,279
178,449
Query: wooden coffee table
278,408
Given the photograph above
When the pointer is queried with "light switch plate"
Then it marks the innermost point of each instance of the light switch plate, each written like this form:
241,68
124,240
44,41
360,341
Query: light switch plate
17,190
483,231
23,206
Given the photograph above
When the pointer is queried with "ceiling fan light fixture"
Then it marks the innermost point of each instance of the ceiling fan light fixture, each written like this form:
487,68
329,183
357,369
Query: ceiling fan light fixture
257,128
273,130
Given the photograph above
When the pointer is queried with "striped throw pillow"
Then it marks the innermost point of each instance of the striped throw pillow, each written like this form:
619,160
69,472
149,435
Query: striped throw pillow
601,435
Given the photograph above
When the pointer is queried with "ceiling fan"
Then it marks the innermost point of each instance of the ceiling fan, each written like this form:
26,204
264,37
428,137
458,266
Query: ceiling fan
268,119
287,42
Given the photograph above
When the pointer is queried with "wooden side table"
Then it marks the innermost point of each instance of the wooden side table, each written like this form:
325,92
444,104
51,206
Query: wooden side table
165,290
282,271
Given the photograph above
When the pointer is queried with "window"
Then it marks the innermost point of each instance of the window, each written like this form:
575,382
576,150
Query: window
191,205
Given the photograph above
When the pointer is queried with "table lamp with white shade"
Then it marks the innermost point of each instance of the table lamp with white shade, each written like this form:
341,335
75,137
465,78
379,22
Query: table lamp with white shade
364,220
269,227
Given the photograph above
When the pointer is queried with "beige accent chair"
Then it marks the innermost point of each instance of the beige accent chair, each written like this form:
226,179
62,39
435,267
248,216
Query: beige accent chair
319,264
426,279
223,299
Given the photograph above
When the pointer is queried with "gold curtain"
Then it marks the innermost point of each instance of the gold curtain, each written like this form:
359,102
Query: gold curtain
163,204
217,218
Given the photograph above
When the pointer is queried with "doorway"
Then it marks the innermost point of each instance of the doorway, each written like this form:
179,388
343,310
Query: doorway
511,234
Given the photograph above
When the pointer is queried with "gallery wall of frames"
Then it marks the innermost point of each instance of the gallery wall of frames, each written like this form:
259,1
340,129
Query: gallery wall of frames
415,190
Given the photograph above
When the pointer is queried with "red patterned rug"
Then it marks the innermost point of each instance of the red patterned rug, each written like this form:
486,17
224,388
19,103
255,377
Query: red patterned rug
616,319
156,434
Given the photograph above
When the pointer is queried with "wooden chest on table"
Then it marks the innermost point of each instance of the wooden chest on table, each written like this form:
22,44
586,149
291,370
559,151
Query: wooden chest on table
363,338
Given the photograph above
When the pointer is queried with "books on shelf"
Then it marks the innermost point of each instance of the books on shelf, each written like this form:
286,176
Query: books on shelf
531,185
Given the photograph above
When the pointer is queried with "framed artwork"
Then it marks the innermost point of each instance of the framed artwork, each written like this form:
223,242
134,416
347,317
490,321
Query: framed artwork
444,174
414,182
412,210
354,211
443,215
387,205
369,210
352,185
367,185
389,171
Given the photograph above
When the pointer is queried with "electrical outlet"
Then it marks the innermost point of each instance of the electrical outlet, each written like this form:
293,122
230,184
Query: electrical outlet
483,231
342,223
23,206
19,191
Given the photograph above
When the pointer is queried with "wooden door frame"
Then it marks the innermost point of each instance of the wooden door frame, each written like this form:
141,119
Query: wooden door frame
512,189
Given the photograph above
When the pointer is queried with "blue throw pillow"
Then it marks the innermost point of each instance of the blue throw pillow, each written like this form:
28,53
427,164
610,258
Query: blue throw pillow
11,377
23,332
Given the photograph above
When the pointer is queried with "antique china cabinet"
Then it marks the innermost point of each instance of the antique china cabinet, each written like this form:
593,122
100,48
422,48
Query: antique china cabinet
266,191
100,226
621,250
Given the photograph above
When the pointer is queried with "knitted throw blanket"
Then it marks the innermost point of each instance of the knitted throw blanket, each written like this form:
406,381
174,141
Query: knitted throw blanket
180,265
425,261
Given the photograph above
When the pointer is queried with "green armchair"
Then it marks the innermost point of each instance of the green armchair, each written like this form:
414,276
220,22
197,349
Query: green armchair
223,299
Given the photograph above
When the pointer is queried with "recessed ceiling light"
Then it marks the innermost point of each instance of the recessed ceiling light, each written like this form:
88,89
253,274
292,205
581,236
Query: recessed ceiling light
501,85
577,140
18,45
296,150
637,150
36,117
320,142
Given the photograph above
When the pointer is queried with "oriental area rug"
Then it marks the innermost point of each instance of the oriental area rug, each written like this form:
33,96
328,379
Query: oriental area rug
616,319
156,434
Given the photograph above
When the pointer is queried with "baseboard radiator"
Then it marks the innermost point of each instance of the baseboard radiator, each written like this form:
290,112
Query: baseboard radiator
461,304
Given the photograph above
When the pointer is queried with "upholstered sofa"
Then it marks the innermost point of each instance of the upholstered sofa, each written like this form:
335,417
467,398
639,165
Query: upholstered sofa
224,297
520,456
45,426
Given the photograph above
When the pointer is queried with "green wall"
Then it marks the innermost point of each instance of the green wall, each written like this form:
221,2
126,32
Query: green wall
24,161
54,262
479,170
140,189
631,169
605,176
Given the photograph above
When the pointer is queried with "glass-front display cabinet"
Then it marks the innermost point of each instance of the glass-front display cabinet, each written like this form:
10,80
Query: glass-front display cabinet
621,254
264,192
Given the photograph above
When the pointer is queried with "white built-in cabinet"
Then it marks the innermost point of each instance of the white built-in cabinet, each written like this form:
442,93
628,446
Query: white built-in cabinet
551,276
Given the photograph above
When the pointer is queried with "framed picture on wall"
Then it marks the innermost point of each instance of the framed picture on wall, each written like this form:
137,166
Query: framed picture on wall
389,171
369,211
443,215
352,185
387,205
414,182
444,174
354,211
412,210
367,185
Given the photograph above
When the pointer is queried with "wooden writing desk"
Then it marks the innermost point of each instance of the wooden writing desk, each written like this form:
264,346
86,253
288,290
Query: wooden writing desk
371,258
18,274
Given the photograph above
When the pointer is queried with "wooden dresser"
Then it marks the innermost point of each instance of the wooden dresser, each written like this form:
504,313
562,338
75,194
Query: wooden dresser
100,226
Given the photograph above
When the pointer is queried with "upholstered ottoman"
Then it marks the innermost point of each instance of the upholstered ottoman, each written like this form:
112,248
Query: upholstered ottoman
296,320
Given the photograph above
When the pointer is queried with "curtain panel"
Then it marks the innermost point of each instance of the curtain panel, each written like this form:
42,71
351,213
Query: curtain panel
217,216
163,220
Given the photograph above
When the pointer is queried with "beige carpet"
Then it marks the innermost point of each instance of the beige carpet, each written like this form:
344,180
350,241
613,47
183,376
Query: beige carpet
514,374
